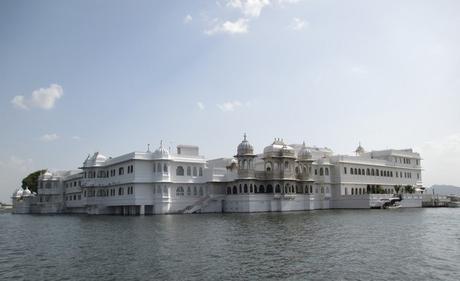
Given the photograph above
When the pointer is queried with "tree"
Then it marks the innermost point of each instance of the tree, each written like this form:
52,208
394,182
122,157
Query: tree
409,189
31,181
397,188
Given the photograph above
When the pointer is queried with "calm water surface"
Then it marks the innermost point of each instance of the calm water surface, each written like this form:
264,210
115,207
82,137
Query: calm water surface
409,244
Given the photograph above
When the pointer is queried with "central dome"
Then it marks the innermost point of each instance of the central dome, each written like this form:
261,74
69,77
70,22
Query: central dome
278,148
245,148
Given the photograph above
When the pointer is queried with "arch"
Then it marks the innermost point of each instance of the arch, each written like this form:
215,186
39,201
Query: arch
368,172
165,168
229,190
245,188
189,191
261,189
179,171
352,191
195,172
311,189
201,191
159,167
268,166
189,171
200,172
180,191
304,170
351,171
372,172
195,192
359,171
297,170
321,171
356,171
277,189
245,164
251,189
377,172
269,188
326,171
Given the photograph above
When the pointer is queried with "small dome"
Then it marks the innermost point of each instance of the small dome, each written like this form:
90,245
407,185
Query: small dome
359,150
245,148
161,152
18,193
304,152
26,192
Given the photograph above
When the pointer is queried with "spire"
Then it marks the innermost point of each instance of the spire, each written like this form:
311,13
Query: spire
148,147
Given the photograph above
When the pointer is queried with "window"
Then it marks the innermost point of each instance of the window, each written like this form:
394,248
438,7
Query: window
200,173
189,171
159,168
189,191
165,168
368,172
345,170
154,168
201,191
121,191
180,171
321,172
245,188
180,191
194,172
121,171
326,171
229,190
195,193
351,171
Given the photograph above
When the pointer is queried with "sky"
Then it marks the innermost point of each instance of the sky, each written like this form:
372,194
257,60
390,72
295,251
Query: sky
78,77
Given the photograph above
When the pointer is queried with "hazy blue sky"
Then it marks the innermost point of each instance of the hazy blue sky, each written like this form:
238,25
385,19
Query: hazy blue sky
111,76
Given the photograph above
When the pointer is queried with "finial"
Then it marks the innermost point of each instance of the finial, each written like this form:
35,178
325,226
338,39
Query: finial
244,137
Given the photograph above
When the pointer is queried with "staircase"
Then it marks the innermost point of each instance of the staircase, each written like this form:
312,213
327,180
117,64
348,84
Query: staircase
198,205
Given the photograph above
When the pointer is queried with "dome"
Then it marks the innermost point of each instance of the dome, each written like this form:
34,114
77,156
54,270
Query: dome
304,152
161,152
245,148
359,149
279,148
18,192
26,192
94,160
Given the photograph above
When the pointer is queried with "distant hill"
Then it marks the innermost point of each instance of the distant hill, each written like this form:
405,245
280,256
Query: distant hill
443,189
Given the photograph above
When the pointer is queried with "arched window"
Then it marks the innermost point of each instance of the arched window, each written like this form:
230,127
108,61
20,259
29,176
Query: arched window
261,189
245,188
368,172
269,188
120,191
180,191
229,190
352,191
195,192
372,172
351,171
200,172
326,171
201,191
268,167
194,172
277,189
311,189
356,171
377,172
154,168
251,190
179,171
235,190
286,165
165,168
297,171
189,191
244,164
359,171
189,171
321,171
159,168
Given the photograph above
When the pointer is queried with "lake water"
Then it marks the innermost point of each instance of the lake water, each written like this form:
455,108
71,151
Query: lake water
404,244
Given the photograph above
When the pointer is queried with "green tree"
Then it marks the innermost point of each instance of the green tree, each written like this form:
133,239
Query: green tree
409,189
31,181
397,188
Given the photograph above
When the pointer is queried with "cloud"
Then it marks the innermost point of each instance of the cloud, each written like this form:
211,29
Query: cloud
441,159
200,105
44,98
77,138
236,27
188,19
49,137
298,24
229,106
17,163
249,8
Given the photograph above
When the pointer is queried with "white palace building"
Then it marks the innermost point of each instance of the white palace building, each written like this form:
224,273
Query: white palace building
282,178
